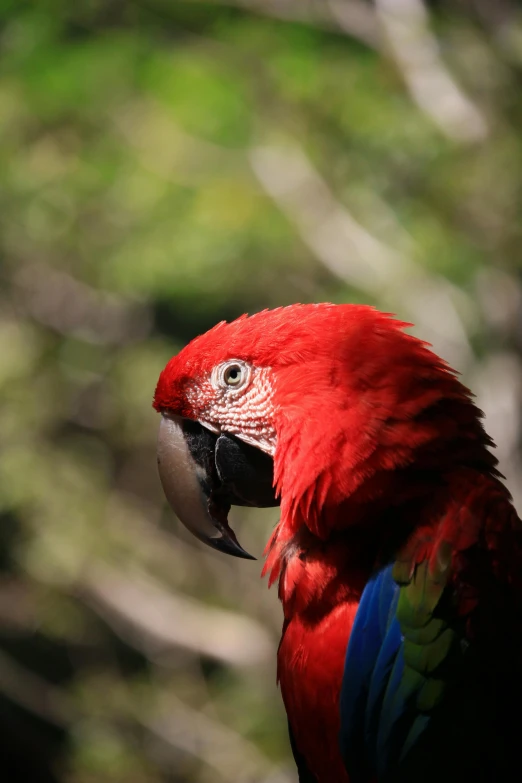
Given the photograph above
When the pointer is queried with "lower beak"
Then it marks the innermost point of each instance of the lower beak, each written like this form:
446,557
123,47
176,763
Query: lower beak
203,474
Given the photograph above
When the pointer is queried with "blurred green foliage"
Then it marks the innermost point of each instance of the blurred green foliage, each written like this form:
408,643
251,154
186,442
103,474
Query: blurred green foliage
164,166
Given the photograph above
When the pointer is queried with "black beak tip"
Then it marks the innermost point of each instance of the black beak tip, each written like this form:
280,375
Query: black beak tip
230,547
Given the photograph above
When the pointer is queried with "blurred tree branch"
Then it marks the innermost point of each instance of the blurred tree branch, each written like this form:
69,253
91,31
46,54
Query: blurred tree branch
231,756
59,301
401,30
155,620
353,254
416,52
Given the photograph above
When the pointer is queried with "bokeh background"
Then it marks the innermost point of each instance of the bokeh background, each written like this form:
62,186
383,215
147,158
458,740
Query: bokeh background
165,165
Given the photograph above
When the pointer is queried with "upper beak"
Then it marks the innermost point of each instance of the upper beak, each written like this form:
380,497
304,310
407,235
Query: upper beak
203,474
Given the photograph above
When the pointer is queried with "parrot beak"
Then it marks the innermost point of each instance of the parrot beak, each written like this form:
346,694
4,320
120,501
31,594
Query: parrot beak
203,474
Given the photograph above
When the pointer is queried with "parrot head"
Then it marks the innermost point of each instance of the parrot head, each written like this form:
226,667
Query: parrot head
319,408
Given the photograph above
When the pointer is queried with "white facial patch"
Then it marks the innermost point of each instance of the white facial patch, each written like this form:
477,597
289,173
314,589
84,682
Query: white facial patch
245,410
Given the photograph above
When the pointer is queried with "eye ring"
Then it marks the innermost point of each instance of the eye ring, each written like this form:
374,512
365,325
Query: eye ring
232,375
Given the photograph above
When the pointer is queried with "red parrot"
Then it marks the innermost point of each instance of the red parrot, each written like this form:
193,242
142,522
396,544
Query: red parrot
398,551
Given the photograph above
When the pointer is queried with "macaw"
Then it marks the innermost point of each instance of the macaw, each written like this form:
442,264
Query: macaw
398,551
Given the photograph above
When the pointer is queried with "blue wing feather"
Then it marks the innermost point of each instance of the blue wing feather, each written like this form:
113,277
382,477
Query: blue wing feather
381,670
363,649
381,715
366,667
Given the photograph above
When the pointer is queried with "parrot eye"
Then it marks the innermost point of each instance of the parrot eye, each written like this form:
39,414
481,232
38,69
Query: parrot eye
232,375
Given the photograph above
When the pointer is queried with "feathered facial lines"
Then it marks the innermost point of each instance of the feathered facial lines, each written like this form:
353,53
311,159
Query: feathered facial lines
232,396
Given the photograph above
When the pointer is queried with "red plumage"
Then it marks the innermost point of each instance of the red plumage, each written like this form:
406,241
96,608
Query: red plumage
380,454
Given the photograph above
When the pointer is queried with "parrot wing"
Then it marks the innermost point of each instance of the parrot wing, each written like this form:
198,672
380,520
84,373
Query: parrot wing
418,685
